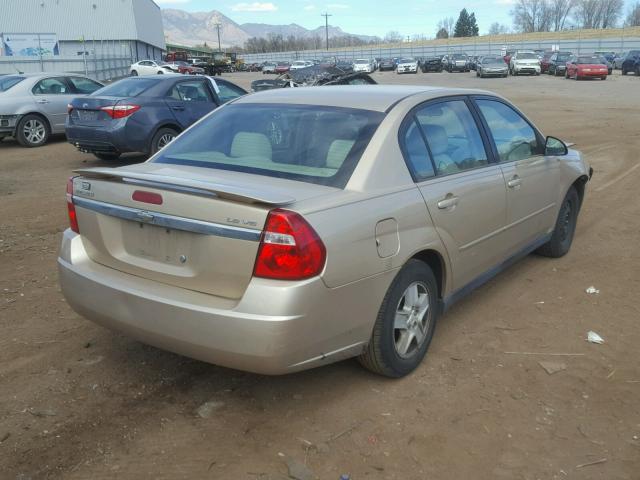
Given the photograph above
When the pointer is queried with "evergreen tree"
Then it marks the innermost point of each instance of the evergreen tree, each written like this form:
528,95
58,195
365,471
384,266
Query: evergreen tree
466,26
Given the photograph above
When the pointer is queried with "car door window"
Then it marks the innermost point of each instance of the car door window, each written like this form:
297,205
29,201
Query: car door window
453,137
51,86
514,138
227,92
194,91
84,85
416,152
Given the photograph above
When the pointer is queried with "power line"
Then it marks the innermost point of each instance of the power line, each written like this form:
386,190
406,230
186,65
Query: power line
326,26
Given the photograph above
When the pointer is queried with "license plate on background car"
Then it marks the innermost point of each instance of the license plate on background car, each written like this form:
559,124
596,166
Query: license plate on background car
88,115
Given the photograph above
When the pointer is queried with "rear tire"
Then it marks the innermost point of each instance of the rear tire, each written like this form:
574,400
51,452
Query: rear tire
106,156
160,72
405,323
565,228
32,131
134,73
161,139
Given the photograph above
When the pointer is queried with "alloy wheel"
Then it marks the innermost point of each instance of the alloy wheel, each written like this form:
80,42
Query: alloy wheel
165,140
34,131
412,318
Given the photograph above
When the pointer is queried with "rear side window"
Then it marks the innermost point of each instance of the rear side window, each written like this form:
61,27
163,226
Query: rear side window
195,91
515,139
84,85
128,87
453,137
312,144
416,152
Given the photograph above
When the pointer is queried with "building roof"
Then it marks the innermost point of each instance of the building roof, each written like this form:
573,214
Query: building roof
71,20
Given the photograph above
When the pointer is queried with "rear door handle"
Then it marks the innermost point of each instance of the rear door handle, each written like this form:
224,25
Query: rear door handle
42,100
178,107
516,181
447,202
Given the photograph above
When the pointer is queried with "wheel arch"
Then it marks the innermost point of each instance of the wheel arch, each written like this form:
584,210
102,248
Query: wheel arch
436,262
579,184
38,114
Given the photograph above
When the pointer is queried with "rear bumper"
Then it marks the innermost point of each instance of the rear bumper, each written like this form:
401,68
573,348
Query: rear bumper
104,139
275,328
526,69
593,74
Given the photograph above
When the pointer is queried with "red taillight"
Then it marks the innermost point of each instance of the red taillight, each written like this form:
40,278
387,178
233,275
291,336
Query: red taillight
147,197
290,249
120,111
71,208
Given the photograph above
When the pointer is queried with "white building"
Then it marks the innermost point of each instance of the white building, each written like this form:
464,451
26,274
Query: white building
118,28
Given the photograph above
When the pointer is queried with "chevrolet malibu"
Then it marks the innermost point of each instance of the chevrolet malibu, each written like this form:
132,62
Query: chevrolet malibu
296,227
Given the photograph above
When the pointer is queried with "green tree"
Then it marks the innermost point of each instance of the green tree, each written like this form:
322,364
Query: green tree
442,33
466,26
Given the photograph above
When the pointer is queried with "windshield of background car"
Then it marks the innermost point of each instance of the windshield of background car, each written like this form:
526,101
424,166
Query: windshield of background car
128,87
459,57
361,62
588,60
527,56
563,57
9,81
407,60
493,61
283,64
314,144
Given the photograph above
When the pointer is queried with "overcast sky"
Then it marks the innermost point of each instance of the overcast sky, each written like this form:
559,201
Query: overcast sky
365,17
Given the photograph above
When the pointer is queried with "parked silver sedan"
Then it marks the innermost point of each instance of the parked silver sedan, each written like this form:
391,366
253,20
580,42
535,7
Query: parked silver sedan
33,106
296,227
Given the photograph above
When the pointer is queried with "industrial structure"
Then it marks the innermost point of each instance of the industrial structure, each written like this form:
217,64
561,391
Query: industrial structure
75,35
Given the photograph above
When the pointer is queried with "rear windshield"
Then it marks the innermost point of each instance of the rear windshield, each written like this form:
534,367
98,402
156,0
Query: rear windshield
493,61
361,62
407,60
527,56
564,56
9,81
589,60
128,87
313,144
459,56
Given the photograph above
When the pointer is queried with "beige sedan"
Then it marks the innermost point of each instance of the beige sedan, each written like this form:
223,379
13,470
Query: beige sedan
297,227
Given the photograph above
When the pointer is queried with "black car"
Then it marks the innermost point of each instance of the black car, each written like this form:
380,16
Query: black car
631,62
346,67
143,114
458,62
432,64
558,63
387,64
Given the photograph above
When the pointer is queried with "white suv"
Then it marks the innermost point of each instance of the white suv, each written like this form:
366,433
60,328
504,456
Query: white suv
524,62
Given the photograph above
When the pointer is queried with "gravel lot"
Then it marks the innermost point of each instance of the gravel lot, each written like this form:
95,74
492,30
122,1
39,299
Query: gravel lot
78,401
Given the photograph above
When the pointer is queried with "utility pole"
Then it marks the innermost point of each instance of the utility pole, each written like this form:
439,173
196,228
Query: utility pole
218,25
326,26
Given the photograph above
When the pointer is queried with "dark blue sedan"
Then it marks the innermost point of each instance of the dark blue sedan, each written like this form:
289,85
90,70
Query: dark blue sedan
143,114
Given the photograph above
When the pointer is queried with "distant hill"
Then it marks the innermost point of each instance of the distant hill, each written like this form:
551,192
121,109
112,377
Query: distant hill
186,28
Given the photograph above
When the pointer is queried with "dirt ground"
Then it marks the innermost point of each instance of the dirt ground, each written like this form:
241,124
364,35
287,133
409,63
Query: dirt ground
79,402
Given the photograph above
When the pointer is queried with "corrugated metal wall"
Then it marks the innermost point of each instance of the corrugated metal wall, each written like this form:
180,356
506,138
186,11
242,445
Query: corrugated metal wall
91,19
479,47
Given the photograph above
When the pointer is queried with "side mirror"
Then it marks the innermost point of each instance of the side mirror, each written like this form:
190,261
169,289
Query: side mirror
555,147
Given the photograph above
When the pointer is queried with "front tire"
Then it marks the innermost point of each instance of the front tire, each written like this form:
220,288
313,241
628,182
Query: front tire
162,138
32,131
405,324
565,228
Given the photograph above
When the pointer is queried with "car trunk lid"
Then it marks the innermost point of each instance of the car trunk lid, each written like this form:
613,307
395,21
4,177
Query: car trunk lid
184,227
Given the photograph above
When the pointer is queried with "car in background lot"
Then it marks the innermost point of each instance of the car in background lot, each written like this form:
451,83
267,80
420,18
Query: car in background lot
282,67
586,66
407,65
606,62
508,55
457,62
298,64
558,63
33,106
231,245
630,62
545,61
524,62
188,68
151,67
269,67
363,65
492,67
618,59
143,114
432,64
387,64
345,66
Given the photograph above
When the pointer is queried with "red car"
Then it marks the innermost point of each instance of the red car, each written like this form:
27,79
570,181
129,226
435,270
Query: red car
282,67
187,69
545,62
586,66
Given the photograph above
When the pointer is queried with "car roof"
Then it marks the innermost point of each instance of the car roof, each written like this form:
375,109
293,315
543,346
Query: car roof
49,74
365,97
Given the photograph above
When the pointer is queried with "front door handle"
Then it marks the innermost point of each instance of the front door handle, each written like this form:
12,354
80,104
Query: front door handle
42,100
515,182
180,108
447,202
